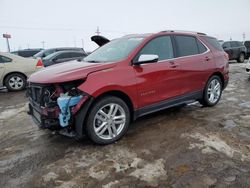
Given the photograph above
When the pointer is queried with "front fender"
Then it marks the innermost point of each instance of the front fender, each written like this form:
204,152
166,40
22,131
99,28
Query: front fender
115,79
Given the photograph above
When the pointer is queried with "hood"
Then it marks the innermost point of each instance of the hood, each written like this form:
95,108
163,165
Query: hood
99,40
69,71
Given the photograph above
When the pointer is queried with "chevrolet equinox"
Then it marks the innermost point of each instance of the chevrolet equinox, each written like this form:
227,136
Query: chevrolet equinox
127,78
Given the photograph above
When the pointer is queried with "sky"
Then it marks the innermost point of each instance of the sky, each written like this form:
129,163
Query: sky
61,23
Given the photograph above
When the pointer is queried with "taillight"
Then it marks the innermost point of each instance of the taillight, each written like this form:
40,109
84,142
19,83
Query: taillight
39,63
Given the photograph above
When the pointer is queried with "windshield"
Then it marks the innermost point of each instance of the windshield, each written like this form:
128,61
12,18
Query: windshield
44,53
115,50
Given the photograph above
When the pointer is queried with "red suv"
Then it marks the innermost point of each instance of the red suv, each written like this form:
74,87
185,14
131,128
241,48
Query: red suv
125,79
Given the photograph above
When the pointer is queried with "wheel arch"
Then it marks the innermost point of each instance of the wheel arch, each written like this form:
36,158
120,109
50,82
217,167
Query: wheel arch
121,95
220,76
83,113
15,72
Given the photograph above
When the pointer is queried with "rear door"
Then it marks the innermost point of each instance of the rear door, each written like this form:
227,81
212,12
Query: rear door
195,62
158,81
2,68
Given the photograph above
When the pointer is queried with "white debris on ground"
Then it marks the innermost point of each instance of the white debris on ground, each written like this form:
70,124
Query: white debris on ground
212,143
151,172
8,113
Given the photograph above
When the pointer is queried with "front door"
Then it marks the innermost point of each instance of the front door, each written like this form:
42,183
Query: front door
158,81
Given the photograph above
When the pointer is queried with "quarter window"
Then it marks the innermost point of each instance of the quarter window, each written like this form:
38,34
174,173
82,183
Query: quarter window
186,45
201,47
4,59
161,46
226,45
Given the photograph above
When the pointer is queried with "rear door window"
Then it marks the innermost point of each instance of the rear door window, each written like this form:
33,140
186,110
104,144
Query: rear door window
201,47
186,45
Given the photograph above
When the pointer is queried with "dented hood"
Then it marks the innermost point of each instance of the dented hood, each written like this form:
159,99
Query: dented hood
68,71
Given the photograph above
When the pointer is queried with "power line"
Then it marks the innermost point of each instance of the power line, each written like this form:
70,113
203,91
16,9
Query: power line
57,29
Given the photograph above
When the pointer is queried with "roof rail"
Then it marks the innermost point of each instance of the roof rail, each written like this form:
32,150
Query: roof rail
192,32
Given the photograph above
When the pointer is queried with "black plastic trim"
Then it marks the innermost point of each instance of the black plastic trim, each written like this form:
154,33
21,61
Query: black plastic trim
81,116
168,103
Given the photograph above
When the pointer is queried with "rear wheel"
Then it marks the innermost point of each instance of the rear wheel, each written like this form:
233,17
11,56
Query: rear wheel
241,58
212,92
15,82
108,120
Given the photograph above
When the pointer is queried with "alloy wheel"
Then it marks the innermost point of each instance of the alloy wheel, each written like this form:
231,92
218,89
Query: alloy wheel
214,91
109,121
16,82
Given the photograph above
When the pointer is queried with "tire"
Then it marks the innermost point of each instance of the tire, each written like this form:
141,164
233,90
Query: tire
241,58
212,95
15,82
101,119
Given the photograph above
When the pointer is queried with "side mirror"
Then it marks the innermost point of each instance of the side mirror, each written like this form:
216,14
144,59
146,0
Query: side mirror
147,58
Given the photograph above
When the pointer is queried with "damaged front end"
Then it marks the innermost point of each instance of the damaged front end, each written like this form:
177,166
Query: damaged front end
55,106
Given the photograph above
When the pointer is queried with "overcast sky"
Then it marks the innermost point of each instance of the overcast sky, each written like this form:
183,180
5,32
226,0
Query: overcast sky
67,22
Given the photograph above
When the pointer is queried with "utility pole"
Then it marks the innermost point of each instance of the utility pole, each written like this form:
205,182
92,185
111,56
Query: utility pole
244,37
231,39
82,44
43,44
7,36
97,30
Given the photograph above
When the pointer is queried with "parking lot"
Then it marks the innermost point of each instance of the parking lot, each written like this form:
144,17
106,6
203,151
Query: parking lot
179,147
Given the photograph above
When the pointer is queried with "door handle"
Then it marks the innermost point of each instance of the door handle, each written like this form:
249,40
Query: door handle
173,65
207,59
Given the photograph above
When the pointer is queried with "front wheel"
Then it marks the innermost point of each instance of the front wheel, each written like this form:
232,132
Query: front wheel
212,92
108,120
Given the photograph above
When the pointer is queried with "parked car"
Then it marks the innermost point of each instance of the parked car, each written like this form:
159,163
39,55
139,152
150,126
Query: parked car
63,56
27,52
235,50
247,44
248,66
14,70
125,79
47,52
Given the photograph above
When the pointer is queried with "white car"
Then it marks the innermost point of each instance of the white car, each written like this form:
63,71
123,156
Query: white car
248,66
14,70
